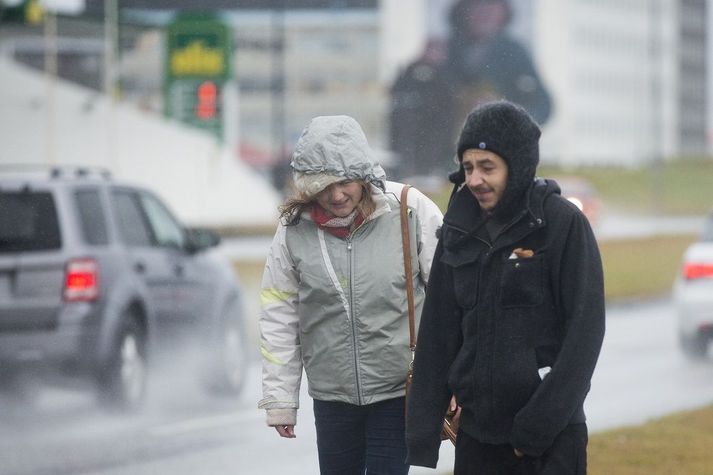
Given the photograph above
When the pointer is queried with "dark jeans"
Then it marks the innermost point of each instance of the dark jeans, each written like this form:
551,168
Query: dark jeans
566,456
352,439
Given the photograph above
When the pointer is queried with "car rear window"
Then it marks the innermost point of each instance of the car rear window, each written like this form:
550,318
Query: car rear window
133,228
29,222
91,214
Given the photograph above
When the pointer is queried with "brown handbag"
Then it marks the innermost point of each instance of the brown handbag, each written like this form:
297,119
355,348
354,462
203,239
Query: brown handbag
450,427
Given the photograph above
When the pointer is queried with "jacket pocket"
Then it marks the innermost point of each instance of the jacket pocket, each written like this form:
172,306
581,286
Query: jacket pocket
465,265
521,284
514,378
465,284
460,376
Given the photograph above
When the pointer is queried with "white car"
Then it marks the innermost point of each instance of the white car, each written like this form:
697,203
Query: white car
693,295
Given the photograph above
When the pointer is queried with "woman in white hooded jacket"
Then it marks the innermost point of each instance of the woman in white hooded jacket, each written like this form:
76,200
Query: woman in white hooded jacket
334,300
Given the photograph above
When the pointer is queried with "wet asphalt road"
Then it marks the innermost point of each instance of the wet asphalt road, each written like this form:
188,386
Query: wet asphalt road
641,375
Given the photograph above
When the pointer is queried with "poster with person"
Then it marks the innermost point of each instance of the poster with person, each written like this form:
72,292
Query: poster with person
474,58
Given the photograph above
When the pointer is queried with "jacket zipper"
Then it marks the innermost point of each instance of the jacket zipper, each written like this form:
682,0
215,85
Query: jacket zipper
488,255
351,311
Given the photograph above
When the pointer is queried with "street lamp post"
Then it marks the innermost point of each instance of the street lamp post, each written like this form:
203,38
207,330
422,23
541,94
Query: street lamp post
278,88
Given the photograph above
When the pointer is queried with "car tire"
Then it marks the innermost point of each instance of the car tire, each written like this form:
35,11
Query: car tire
694,347
122,381
228,365
17,388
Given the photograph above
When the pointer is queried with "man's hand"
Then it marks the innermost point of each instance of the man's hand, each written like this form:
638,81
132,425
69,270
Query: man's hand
518,453
288,432
455,409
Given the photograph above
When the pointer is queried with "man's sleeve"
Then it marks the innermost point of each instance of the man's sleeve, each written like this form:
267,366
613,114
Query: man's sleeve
439,338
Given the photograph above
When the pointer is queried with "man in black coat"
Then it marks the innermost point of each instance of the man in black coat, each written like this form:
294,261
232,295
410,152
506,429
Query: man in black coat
513,320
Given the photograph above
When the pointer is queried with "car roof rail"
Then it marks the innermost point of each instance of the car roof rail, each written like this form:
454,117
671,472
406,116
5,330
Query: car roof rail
57,171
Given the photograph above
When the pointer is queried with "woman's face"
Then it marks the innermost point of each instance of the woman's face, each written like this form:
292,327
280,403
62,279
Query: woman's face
340,199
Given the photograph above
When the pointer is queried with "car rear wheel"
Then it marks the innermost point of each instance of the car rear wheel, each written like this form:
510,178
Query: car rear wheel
695,347
229,363
18,389
122,382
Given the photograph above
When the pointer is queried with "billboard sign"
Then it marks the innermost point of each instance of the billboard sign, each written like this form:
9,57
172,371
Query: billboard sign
196,66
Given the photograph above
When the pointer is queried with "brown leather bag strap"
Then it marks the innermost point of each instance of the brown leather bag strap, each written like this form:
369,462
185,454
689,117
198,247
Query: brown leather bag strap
406,242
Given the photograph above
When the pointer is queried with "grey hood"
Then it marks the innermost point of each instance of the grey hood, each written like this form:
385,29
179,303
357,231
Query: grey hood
336,145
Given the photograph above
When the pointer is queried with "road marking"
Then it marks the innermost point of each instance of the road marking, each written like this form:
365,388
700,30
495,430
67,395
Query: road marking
202,423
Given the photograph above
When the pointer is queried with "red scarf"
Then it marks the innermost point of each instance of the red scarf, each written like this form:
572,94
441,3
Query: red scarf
334,225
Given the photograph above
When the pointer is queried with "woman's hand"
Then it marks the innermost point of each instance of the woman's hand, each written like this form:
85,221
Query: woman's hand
288,432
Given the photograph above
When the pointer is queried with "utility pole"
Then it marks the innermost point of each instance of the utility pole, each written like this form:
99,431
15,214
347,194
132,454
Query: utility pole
658,181
111,40
50,33
278,86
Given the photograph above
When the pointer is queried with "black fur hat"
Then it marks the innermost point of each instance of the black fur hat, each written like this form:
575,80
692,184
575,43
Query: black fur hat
507,130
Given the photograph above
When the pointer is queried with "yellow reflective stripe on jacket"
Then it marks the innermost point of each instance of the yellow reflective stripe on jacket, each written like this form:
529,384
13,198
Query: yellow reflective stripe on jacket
268,296
269,356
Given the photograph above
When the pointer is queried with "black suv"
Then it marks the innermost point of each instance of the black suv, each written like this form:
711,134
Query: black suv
97,276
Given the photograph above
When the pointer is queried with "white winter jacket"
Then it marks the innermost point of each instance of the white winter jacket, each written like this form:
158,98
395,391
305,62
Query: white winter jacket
337,307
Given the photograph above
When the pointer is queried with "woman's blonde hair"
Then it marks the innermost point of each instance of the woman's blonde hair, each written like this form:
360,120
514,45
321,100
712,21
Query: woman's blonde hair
292,210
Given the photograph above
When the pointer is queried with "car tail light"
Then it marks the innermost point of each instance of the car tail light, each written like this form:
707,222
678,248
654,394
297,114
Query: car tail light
81,283
697,270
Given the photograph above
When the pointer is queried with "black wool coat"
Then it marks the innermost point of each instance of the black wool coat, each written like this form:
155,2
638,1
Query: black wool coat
494,323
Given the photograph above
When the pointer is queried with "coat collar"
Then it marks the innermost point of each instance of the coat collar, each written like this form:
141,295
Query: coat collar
466,218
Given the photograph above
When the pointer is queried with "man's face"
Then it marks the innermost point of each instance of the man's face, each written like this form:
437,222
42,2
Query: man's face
487,19
486,175
340,199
